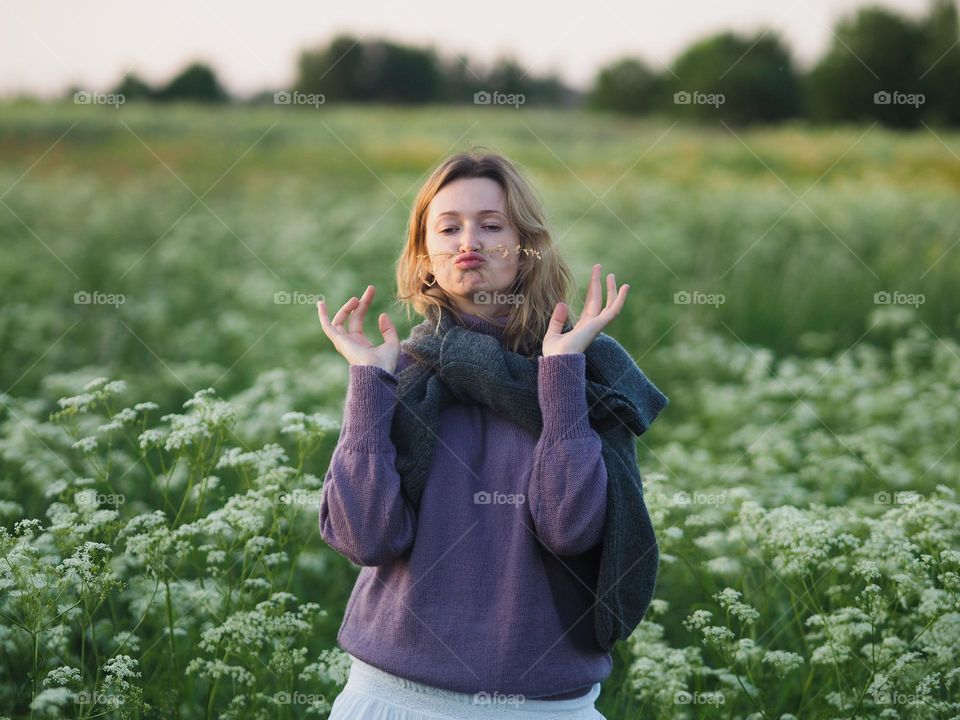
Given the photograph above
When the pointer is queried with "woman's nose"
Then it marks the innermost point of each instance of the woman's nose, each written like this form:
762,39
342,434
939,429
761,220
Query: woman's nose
468,242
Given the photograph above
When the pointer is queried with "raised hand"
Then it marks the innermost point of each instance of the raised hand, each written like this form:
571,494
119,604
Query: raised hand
591,321
351,342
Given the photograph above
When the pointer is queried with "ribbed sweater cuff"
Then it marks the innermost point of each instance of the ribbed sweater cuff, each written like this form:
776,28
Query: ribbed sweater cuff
561,385
368,413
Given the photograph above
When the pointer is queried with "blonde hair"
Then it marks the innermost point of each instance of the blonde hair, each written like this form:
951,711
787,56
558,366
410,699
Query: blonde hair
543,277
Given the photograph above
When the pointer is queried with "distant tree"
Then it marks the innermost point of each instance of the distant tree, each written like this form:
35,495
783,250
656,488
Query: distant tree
627,85
197,82
353,70
407,74
737,79
132,87
382,71
551,90
939,63
460,79
508,76
875,51
335,71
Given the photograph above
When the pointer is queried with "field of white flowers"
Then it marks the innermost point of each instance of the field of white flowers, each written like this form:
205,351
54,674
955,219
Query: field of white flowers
160,464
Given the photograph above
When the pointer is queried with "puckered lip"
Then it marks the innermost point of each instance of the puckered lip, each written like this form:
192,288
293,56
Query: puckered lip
468,256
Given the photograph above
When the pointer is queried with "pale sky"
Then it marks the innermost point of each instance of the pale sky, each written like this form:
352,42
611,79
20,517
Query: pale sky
47,46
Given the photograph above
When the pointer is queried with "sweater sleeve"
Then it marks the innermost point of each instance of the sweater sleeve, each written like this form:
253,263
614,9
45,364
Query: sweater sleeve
363,513
568,483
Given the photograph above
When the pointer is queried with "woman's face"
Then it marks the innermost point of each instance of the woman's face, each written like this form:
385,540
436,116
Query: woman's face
469,215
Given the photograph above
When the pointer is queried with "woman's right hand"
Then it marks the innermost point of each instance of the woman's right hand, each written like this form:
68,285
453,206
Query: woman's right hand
351,343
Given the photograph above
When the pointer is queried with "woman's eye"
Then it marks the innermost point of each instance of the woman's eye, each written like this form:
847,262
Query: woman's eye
452,228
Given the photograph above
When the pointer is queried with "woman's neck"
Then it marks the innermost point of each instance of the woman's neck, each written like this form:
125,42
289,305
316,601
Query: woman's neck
494,326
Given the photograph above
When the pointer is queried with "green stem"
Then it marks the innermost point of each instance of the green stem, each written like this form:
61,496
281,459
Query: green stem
173,647
36,662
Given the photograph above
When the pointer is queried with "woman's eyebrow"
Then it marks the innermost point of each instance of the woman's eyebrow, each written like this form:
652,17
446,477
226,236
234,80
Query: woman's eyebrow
482,212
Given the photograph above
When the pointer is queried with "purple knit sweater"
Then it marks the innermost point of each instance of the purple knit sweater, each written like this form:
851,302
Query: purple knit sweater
487,587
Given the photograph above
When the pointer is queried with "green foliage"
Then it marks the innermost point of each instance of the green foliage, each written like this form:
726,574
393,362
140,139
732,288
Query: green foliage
809,522
939,63
627,86
350,69
880,65
159,550
197,82
163,577
133,87
753,78
875,51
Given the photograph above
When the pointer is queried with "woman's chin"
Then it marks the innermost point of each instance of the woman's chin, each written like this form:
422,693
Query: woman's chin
473,282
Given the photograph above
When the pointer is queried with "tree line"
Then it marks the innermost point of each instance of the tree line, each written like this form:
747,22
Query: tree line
881,65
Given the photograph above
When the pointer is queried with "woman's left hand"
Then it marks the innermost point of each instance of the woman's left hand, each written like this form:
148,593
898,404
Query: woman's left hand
591,321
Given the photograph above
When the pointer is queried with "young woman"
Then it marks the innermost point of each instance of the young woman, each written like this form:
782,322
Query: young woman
470,608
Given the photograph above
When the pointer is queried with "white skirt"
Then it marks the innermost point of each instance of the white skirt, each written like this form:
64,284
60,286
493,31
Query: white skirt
372,694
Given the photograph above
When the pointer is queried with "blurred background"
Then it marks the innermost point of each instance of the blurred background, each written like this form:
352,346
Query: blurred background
777,182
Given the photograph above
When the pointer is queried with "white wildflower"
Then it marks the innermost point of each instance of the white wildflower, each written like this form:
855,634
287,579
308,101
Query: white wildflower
55,488
77,402
332,666
257,544
262,460
62,676
308,427
185,430
729,599
51,701
85,445
151,438
782,661
697,620
96,383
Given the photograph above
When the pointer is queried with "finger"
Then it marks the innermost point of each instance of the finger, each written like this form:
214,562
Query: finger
611,290
322,314
591,305
388,330
343,313
622,297
558,318
356,317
